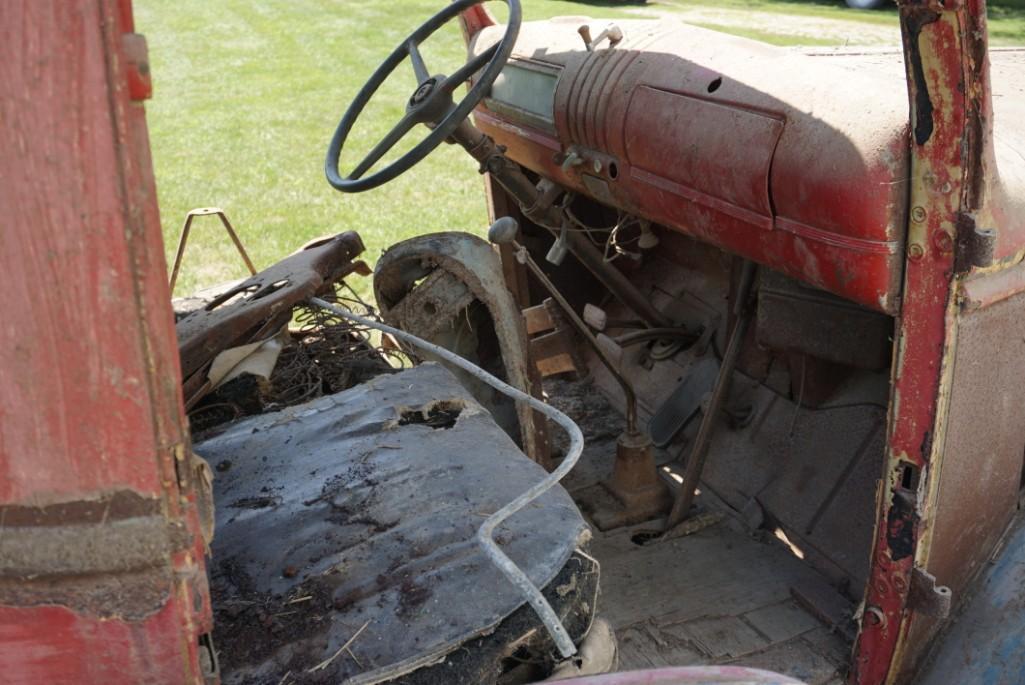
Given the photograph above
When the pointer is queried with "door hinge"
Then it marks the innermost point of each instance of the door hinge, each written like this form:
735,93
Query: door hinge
926,597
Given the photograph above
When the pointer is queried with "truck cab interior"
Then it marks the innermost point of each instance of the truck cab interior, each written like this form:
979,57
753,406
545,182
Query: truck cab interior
732,221
730,390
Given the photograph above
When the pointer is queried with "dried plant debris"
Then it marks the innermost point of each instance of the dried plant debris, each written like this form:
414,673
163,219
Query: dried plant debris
324,355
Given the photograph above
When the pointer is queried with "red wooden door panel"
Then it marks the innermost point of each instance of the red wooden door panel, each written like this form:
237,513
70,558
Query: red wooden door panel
102,575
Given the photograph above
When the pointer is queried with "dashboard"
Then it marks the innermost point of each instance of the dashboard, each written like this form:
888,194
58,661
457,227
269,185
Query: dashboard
792,161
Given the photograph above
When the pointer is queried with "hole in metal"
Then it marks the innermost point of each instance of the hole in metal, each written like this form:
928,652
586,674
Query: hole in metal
438,415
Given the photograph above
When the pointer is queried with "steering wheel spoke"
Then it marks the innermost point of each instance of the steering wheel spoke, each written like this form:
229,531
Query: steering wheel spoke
432,103
387,143
419,66
463,73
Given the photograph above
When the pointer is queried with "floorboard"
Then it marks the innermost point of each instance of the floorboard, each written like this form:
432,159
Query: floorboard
718,596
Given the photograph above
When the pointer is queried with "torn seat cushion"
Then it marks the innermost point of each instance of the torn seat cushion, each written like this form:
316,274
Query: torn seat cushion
356,513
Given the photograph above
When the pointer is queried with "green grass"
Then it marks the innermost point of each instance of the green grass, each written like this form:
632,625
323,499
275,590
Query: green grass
246,98
1007,22
1007,17
247,95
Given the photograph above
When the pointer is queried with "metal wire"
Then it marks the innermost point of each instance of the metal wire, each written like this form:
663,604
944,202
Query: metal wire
331,354
484,534
325,354
611,246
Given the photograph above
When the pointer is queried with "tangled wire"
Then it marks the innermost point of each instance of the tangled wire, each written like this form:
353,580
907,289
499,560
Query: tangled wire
324,355
331,354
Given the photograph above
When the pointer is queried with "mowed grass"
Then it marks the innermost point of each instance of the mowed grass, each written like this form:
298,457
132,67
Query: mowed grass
247,96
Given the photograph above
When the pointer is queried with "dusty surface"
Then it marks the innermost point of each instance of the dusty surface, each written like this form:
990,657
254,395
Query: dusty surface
816,29
357,514
723,595
249,625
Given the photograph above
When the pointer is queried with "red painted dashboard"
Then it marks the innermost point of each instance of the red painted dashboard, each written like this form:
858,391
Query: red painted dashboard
798,163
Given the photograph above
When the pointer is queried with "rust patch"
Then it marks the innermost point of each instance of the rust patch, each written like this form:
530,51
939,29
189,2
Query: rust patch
913,22
258,307
975,245
901,521
435,285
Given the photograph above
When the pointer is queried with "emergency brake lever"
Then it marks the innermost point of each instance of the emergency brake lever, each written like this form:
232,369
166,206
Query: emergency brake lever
743,311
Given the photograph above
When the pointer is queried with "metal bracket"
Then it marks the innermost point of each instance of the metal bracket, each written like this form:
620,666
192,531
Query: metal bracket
926,597
707,335
184,239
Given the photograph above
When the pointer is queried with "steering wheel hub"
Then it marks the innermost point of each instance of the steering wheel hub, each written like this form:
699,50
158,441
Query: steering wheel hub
423,92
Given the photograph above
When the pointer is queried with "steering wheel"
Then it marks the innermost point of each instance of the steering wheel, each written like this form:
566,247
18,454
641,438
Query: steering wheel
431,102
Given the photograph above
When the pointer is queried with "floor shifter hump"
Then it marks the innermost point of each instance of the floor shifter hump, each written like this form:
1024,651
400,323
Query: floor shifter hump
684,402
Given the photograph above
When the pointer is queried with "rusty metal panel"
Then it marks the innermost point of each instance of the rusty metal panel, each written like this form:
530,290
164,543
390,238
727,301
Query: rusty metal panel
949,94
411,300
984,445
374,497
712,136
796,318
90,410
241,311
983,290
979,478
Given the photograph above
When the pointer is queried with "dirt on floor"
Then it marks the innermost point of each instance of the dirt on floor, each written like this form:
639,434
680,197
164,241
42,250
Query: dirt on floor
250,625
598,420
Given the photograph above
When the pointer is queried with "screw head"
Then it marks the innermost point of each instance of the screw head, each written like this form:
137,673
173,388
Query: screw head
918,214
915,252
943,242
875,616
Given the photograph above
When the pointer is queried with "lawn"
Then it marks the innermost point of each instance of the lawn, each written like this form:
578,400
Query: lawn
247,95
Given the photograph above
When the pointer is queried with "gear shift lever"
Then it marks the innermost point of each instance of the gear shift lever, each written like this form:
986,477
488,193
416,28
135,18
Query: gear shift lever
634,481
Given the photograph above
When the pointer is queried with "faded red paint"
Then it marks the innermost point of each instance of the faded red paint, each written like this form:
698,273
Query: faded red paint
54,645
950,152
475,19
938,200
740,162
89,395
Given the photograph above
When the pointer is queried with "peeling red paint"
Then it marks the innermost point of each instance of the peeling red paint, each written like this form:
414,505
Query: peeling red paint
937,66
90,398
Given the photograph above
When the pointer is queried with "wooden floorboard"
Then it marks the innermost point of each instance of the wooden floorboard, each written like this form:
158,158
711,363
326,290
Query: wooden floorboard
718,571
717,596
796,659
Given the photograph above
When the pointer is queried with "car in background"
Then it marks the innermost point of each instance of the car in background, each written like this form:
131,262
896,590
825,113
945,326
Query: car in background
867,4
